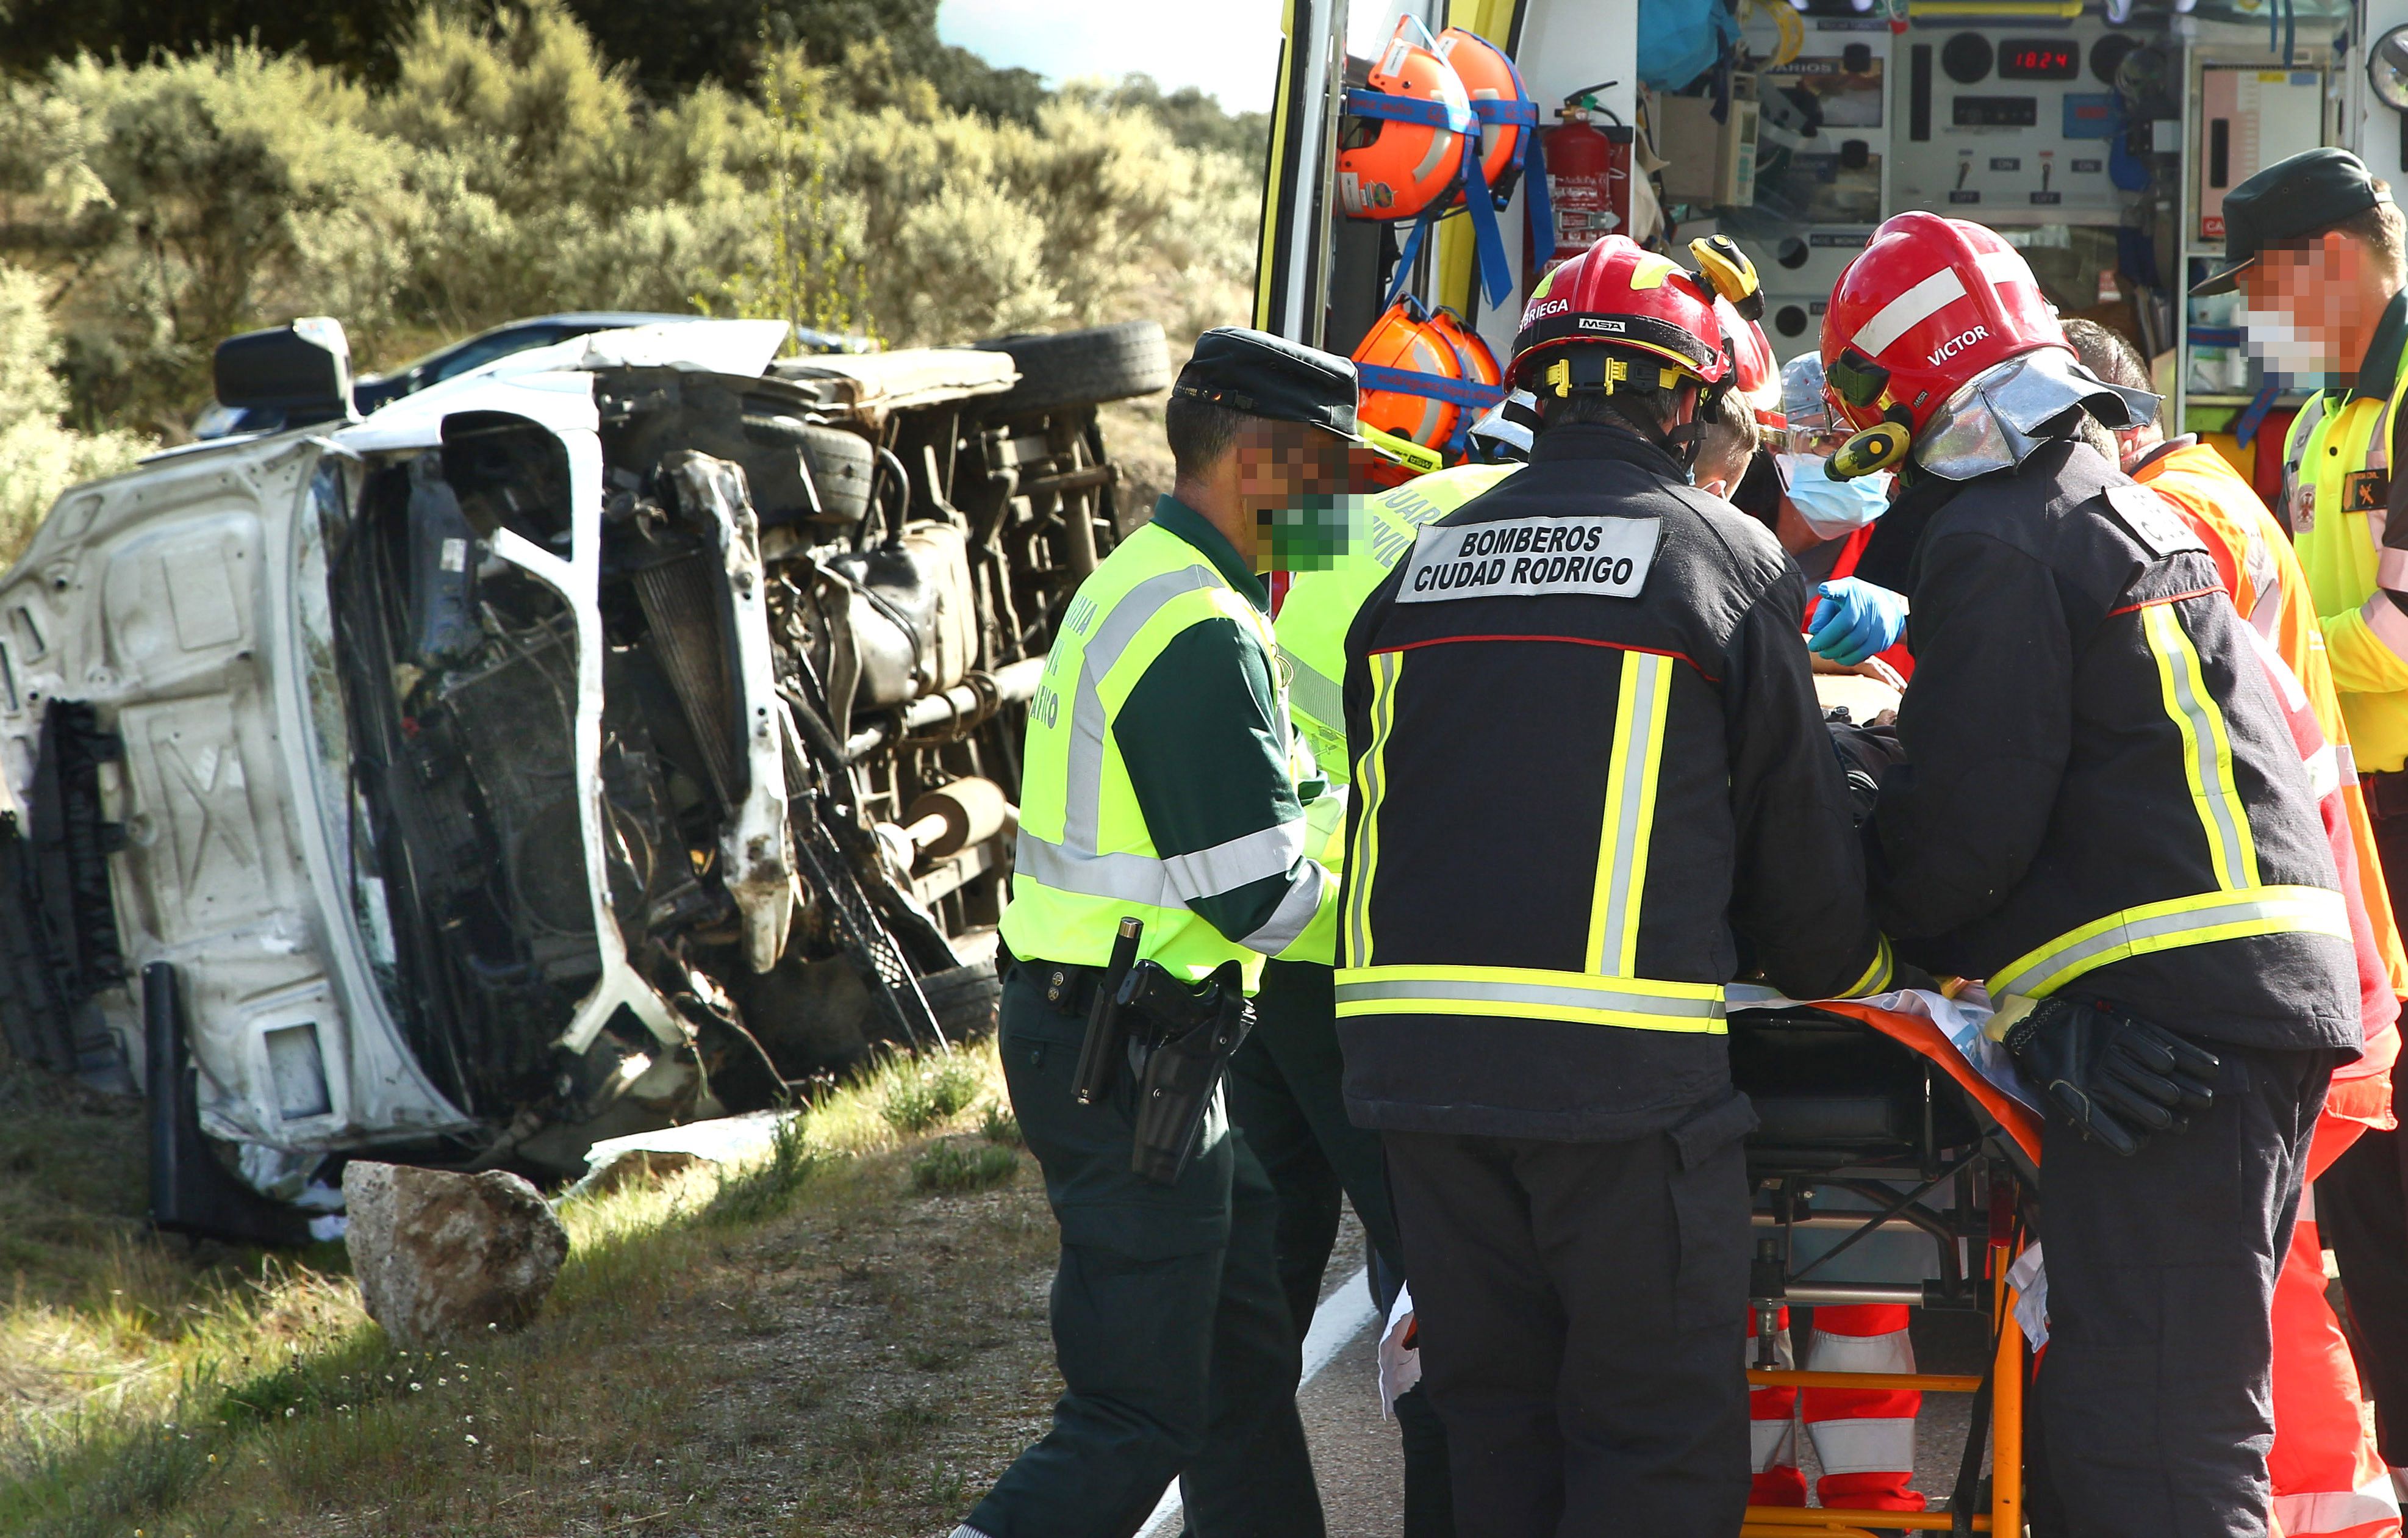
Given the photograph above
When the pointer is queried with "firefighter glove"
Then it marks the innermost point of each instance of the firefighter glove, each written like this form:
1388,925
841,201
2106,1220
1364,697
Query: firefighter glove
2115,1078
1852,620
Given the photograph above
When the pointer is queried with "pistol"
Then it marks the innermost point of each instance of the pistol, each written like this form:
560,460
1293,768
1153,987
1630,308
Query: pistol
1101,1051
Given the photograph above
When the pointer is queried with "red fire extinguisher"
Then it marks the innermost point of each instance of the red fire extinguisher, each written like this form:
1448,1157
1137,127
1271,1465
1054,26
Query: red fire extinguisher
1588,181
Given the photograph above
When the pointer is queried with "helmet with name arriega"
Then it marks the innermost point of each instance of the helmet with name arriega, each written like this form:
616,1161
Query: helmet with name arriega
1401,141
1606,315
1918,338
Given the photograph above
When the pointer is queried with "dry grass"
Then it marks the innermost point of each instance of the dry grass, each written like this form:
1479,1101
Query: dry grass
807,1346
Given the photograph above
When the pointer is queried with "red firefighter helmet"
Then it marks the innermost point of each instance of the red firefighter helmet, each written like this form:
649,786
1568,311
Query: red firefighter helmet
1400,141
1499,99
1410,362
1629,299
1931,302
1754,375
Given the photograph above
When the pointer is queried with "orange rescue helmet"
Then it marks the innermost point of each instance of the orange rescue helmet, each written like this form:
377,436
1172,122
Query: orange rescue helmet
1401,141
1502,103
1412,365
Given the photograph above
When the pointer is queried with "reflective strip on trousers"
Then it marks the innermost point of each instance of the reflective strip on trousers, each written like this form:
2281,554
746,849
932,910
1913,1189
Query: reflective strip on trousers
1531,993
1869,1444
1631,778
1370,784
2169,925
2207,749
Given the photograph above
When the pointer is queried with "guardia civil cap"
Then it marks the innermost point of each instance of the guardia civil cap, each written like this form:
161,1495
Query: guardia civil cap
1259,375
2309,193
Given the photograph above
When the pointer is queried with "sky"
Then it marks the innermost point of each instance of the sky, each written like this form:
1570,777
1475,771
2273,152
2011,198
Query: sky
1228,47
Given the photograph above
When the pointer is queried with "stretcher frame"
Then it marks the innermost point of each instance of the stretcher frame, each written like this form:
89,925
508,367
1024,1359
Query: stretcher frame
2004,1381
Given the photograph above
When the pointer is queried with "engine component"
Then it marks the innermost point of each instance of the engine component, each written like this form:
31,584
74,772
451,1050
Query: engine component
442,569
954,817
685,599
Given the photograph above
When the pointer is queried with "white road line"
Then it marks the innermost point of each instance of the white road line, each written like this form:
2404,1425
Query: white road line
1340,1318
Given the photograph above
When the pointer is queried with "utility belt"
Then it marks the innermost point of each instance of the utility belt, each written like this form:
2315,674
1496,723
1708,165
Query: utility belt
2386,792
1172,1038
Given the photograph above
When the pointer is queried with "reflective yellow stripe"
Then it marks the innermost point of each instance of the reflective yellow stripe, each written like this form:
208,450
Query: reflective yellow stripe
2170,925
1876,976
1529,993
1370,784
1630,776
2207,749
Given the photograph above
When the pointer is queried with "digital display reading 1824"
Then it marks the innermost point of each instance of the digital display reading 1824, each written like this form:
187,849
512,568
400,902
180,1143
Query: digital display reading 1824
2039,59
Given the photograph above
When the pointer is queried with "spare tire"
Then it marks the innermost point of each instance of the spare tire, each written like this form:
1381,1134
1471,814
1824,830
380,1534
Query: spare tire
1083,367
964,999
841,463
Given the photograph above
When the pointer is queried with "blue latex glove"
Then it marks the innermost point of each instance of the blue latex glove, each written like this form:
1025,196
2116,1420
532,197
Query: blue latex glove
1854,620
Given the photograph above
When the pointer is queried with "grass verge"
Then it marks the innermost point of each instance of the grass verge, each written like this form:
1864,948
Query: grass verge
827,1340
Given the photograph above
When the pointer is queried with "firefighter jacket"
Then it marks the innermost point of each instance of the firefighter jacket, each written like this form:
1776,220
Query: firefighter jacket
1156,782
2099,789
1591,784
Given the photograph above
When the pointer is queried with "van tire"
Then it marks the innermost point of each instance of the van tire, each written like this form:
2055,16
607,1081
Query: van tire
1082,368
841,464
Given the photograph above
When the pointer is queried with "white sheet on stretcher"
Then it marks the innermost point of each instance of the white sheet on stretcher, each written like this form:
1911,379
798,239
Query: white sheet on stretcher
1960,1019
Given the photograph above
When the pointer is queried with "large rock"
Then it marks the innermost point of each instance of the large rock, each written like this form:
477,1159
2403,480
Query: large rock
442,1258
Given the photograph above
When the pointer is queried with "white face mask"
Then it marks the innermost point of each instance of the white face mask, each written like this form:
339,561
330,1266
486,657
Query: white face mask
1832,509
2282,346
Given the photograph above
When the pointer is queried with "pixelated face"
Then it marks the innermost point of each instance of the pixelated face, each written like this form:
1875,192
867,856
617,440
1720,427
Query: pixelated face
2301,304
1299,484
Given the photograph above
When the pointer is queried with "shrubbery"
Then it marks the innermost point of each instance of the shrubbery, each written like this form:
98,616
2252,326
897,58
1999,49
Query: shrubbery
508,169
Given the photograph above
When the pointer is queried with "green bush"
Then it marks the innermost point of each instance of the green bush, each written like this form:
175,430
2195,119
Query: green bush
765,1189
956,1167
1000,1125
927,1091
505,168
38,457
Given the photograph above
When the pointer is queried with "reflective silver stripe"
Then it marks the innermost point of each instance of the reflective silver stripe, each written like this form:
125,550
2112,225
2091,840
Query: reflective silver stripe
2390,626
1236,862
1294,912
2312,909
1536,994
1864,1443
1908,310
1123,878
2344,762
2235,859
1082,796
2391,569
2324,772
1313,694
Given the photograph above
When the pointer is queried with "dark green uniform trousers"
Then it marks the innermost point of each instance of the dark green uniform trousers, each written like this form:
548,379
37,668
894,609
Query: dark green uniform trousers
1178,1353
1286,1095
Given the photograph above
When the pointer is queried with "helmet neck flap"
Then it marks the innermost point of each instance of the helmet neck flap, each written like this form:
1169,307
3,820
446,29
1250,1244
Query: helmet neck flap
1996,419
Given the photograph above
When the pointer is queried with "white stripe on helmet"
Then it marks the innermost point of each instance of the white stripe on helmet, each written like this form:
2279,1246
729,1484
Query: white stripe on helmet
1908,311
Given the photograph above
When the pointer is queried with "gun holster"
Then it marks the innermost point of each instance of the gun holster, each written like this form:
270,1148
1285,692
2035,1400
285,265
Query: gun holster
1185,1037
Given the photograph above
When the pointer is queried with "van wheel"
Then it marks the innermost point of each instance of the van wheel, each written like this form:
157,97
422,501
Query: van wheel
1082,368
841,463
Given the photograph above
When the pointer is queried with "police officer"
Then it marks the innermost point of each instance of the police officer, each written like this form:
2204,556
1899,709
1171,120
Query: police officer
1157,785
1285,1081
1579,809
2102,811
2314,244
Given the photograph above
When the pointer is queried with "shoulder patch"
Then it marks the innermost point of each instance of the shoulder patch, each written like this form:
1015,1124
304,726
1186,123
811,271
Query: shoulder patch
1533,557
2145,516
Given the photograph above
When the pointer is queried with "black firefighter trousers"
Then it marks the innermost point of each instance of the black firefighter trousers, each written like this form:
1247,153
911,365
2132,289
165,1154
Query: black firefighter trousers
2152,1409
1178,1356
1578,1305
